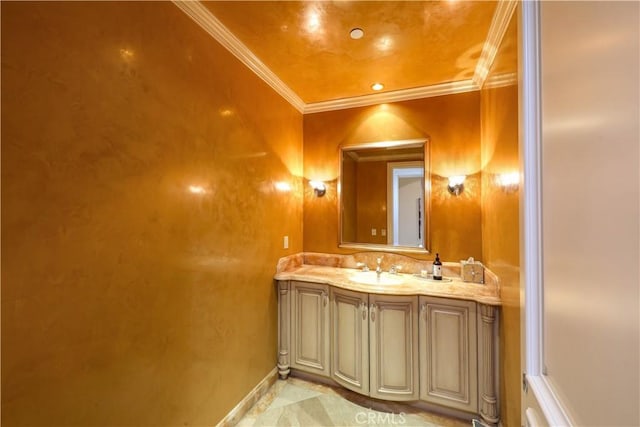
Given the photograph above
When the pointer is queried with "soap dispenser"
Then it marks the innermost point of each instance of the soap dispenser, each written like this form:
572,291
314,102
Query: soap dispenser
437,268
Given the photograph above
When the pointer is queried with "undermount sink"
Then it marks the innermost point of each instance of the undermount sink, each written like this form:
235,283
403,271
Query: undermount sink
372,278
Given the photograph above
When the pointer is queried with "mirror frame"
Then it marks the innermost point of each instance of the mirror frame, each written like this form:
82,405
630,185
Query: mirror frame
426,204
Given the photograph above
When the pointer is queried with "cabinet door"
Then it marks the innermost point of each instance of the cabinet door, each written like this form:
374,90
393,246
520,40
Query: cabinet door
448,353
393,347
310,327
350,339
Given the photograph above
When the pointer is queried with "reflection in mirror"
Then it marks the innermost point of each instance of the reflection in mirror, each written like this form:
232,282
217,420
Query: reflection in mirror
384,196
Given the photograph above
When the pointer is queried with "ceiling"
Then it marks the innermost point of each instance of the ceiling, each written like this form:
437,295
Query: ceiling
304,50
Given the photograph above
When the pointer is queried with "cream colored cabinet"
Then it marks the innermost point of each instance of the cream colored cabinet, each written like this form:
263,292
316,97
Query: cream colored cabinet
404,348
448,353
310,327
350,339
375,344
393,347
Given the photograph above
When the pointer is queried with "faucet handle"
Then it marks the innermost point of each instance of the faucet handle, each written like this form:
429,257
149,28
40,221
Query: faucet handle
362,265
395,269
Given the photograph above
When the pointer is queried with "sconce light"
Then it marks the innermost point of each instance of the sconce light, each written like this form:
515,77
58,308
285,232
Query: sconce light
318,187
456,184
508,181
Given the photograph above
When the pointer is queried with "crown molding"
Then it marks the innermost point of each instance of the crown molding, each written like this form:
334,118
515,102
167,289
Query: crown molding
392,96
500,80
498,27
208,22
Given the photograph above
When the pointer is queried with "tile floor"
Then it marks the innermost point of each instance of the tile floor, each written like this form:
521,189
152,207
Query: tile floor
297,402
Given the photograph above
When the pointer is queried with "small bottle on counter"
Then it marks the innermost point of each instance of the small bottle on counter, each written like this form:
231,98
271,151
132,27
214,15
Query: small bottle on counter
437,268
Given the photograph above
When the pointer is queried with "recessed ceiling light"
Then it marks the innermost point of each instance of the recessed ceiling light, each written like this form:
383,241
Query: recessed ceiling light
377,86
356,33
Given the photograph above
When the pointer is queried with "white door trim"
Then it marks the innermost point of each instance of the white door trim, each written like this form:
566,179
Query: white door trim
396,170
531,222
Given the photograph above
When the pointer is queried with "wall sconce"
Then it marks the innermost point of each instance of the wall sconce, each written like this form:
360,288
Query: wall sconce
456,184
508,181
318,187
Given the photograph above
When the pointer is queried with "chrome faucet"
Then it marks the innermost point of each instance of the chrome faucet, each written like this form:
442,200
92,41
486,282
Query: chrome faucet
379,267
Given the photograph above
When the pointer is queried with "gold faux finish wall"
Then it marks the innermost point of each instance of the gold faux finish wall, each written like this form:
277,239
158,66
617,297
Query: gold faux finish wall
371,201
500,212
140,222
453,125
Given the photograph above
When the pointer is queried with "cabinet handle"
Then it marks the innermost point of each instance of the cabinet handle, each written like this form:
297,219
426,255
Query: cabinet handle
363,307
325,298
423,308
373,312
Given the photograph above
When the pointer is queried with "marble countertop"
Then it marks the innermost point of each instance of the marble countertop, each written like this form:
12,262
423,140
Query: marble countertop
487,293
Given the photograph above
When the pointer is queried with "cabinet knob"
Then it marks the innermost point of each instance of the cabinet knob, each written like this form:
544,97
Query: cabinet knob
373,312
363,307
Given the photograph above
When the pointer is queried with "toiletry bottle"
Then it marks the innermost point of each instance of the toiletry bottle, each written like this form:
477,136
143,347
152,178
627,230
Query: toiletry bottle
437,268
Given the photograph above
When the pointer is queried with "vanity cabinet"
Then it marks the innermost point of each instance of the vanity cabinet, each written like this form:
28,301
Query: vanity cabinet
310,327
374,344
437,350
393,345
448,353
350,339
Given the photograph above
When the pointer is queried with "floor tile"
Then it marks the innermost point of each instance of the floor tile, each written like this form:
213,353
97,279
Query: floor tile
296,402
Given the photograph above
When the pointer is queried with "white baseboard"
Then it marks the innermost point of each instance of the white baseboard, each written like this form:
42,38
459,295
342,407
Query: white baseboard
239,411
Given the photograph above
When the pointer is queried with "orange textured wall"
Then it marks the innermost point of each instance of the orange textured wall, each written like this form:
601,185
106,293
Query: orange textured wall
350,194
500,212
453,125
129,298
371,201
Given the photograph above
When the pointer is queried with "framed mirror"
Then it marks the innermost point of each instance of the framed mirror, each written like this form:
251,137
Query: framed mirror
384,196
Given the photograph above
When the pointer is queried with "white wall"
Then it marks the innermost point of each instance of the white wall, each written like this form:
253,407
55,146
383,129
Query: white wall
409,191
590,208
